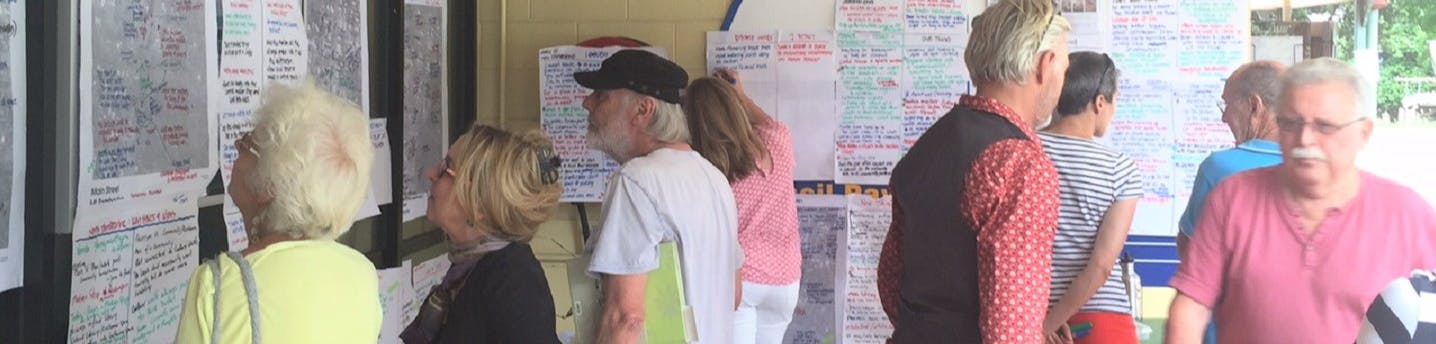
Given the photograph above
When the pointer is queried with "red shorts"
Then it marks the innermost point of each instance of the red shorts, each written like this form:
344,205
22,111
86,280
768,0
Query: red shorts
1106,328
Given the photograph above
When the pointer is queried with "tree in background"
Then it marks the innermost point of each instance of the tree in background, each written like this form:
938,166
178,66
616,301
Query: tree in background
1404,28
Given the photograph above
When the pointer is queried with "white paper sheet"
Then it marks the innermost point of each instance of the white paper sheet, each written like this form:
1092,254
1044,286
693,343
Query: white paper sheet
585,170
148,102
382,178
395,295
823,226
425,138
864,320
12,145
130,271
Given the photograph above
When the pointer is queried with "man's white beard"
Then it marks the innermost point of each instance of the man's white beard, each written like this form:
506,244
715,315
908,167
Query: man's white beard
608,141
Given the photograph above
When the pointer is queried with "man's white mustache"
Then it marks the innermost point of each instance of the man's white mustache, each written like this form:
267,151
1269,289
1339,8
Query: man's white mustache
1307,153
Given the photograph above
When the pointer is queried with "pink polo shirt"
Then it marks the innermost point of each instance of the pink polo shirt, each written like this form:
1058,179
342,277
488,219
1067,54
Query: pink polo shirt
1269,282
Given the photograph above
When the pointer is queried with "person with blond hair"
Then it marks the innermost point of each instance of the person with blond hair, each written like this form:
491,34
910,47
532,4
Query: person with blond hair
664,192
755,152
489,196
968,255
299,181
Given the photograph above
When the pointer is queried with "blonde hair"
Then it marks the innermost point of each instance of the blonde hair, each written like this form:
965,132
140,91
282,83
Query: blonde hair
499,178
1008,36
721,130
314,161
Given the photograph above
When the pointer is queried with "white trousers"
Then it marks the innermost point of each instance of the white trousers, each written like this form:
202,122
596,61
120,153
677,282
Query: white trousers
763,316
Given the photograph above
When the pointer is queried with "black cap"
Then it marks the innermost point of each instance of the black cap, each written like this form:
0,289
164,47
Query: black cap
638,70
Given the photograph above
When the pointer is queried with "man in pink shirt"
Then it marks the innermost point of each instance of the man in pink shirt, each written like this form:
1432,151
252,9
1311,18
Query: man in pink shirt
1295,252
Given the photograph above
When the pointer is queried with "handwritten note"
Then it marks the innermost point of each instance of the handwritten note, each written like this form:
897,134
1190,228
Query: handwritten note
396,294
1145,35
286,52
934,77
868,221
822,225
755,56
12,144
1090,22
869,140
1214,37
381,179
425,132
791,76
147,100
339,48
426,275
263,42
808,99
935,16
884,16
129,272
585,170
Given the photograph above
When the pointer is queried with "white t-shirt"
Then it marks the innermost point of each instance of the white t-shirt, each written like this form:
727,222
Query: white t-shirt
673,195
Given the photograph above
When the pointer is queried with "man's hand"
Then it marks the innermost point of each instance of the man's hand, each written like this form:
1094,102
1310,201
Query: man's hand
1063,335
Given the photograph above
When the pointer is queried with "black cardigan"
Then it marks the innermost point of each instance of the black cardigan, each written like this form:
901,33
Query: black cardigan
505,300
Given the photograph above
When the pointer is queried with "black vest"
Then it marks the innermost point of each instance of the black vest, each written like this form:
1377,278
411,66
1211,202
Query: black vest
938,295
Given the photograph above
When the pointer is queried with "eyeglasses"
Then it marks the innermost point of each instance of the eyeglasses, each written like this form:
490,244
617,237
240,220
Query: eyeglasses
1056,11
1292,125
448,167
246,142
1222,106
1098,90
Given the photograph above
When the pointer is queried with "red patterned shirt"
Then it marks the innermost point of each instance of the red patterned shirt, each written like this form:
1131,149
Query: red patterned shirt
768,214
1011,201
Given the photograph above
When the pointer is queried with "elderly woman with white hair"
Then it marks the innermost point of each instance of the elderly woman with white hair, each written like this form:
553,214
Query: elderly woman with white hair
299,180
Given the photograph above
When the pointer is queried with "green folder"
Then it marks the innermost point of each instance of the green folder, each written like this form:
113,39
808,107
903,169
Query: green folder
669,319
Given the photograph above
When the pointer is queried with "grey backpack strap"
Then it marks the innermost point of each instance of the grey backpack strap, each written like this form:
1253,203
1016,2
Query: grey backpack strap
214,271
251,291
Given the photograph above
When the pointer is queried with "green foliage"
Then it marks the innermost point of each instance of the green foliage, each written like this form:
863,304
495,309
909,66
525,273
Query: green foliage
1404,28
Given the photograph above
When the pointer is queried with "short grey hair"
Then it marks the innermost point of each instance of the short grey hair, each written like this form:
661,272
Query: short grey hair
1008,35
1324,70
1260,78
669,124
314,161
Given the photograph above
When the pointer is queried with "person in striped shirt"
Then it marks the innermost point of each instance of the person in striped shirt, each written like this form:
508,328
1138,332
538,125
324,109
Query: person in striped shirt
1099,189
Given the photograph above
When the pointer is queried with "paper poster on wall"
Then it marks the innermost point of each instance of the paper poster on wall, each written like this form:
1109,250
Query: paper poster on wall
792,77
263,42
585,170
934,78
130,270
12,144
1142,128
396,294
1089,22
339,48
870,106
863,318
822,225
425,129
147,109
935,17
426,275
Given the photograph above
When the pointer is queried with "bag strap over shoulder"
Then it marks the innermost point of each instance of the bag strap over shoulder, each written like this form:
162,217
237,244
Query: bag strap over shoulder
250,290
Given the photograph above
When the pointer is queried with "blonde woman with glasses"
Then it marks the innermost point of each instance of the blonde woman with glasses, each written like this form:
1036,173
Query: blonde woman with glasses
489,196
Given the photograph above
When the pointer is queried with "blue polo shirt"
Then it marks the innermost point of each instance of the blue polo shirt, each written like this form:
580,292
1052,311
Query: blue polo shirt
1249,155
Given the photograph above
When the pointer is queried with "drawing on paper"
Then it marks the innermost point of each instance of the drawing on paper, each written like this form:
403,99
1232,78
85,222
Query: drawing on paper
149,88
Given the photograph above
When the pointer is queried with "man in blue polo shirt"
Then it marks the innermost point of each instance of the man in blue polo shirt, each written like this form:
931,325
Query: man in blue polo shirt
1248,102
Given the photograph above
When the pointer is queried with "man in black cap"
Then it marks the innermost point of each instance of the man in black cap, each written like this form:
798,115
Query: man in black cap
665,192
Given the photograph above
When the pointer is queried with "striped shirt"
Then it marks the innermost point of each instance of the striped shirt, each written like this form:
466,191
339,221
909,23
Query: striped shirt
1090,178
1403,313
